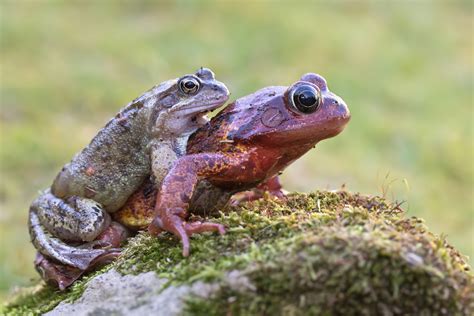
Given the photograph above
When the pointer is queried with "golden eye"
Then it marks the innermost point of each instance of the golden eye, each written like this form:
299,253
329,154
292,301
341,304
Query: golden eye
189,85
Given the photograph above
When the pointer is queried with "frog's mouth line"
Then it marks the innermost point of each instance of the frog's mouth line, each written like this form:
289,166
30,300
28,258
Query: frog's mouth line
199,113
200,109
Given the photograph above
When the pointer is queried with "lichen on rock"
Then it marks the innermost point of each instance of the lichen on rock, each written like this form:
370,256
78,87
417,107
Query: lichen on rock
324,253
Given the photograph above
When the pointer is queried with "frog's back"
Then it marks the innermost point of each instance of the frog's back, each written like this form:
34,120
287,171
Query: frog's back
115,162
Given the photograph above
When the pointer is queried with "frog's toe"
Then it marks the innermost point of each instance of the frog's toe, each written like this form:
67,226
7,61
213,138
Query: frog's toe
279,194
56,274
110,241
200,227
182,229
173,224
176,225
256,194
156,226
105,259
62,276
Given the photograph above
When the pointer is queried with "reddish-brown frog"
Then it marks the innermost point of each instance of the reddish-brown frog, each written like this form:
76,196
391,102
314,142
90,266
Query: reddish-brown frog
244,147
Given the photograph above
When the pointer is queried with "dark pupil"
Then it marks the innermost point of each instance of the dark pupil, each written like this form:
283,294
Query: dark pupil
189,84
307,98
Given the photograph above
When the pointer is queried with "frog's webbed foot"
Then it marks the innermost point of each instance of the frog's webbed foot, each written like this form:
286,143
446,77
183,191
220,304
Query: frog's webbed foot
183,230
62,275
56,274
55,248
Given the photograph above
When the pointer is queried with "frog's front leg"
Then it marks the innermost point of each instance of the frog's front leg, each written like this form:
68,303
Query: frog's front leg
173,200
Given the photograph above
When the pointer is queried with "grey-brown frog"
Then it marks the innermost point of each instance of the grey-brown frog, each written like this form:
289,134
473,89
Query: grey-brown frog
142,141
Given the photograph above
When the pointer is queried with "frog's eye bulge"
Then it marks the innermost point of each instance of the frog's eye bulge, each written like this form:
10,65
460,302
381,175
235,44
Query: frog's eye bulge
189,85
316,79
305,98
205,74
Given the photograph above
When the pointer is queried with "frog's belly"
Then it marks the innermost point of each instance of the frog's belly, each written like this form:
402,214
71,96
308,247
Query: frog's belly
110,185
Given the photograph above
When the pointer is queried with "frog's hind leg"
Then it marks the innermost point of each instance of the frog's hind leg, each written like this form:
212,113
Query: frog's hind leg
62,276
272,187
75,219
53,247
56,274
51,221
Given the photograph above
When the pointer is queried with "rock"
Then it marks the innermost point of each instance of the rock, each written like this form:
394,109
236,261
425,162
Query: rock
324,253
143,294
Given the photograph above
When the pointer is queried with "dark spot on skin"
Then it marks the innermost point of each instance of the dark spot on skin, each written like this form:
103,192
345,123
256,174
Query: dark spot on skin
148,191
137,105
98,210
137,145
133,108
125,124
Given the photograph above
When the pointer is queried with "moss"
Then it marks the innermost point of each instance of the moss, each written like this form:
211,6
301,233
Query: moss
322,253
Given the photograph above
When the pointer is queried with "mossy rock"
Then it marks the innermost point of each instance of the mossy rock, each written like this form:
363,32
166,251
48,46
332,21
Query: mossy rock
324,253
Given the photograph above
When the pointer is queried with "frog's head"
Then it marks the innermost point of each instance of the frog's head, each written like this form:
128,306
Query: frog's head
301,114
180,105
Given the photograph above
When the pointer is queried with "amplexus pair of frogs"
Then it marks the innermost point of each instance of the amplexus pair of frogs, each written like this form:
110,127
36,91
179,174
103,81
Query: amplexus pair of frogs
160,159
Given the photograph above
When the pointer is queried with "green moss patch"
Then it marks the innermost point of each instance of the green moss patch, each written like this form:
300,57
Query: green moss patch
319,253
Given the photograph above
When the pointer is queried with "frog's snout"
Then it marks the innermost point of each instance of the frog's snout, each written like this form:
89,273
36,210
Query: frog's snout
337,106
221,90
342,108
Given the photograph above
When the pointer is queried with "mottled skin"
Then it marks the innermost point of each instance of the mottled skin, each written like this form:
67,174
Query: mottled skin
244,147
140,142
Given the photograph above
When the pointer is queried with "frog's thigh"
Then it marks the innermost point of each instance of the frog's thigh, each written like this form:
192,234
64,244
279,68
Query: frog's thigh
79,219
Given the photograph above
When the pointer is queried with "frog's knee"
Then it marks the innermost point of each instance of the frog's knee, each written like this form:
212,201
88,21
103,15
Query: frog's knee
93,219
76,219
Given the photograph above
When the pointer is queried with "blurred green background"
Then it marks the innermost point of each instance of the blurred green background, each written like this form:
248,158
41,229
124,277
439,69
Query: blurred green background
405,70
